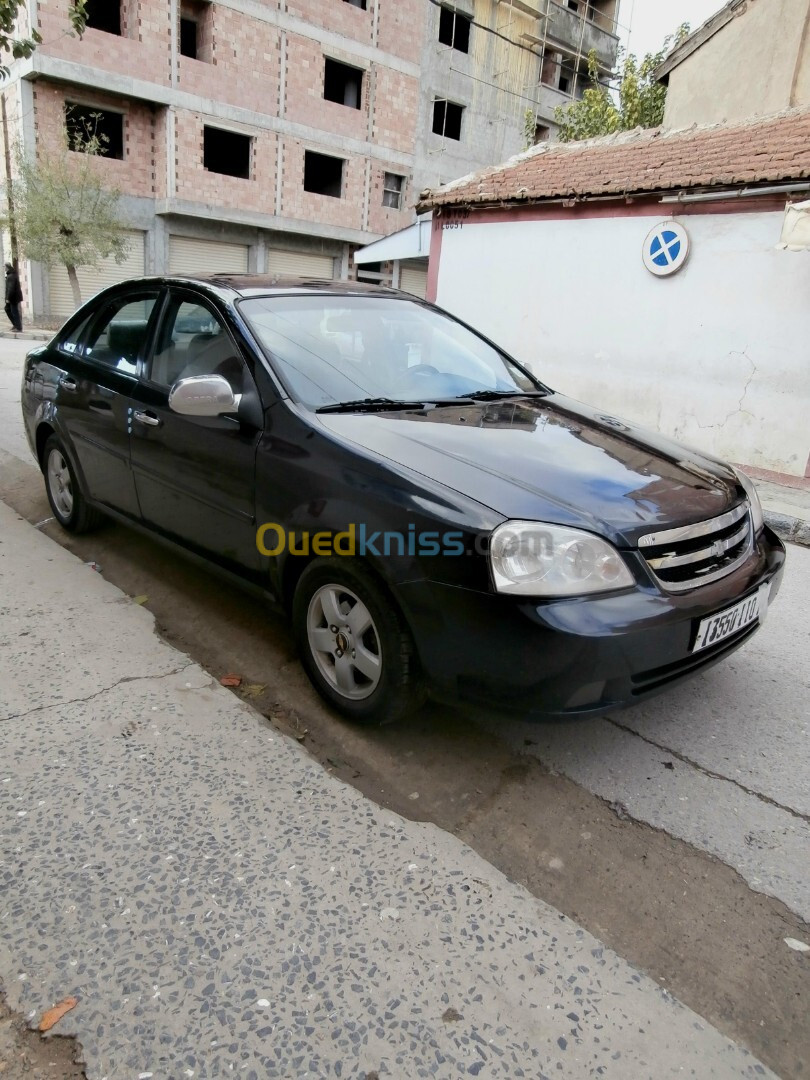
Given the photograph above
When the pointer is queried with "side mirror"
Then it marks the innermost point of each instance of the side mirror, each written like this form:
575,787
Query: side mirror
203,395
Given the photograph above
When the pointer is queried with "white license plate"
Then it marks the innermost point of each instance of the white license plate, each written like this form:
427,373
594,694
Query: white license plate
725,623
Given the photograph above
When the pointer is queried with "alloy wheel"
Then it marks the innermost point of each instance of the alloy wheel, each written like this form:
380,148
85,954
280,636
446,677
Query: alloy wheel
344,641
60,483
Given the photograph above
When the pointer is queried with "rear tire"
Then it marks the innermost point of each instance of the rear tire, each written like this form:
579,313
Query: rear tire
70,507
354,644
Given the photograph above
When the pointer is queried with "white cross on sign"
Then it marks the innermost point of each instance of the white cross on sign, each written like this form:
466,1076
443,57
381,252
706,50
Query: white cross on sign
665,248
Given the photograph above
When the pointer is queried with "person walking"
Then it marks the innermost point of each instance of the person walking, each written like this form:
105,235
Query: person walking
14,298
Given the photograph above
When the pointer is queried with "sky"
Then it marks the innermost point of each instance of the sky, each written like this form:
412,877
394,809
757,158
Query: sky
650,21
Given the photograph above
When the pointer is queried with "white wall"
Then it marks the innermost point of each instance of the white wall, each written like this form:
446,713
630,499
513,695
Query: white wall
755,65
717,355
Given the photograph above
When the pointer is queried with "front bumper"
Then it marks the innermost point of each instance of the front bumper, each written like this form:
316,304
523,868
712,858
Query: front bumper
576,656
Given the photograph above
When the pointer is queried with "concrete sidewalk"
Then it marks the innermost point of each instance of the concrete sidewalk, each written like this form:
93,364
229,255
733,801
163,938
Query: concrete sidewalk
217,903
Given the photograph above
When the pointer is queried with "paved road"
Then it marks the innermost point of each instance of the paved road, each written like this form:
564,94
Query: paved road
12,437
718,768
722,762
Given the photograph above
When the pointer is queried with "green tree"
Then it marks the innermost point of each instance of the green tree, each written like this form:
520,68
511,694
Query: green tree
20,47
639,102
63,211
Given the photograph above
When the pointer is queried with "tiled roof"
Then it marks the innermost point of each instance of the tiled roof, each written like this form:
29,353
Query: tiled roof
775,148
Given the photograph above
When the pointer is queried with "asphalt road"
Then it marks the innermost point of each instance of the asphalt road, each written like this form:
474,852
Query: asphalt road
678,832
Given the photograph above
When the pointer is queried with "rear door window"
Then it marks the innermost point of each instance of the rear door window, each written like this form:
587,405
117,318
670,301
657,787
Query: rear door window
118,337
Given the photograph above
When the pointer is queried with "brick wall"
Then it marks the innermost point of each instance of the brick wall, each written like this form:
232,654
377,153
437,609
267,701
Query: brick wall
305,100
198,184
240,66
337,16
382,219
136,173
396,109
297,203
143,51
244,69
401,28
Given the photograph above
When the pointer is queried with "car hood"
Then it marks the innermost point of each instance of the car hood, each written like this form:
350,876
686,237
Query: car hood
550,459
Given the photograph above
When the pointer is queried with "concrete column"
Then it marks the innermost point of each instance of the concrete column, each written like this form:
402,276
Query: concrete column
257,254
157,247
174,50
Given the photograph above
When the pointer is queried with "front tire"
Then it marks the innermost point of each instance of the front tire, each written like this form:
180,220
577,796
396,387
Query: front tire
70,508
354,643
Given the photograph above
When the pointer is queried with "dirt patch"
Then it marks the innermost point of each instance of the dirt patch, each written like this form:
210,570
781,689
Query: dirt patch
27,1055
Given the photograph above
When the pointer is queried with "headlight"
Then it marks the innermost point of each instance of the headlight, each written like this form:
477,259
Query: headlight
530,558
757,519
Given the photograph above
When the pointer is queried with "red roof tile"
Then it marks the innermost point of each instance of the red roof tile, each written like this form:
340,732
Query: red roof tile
773,149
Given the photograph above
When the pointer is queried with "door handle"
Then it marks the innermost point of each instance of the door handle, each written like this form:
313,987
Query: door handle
66,383
147,418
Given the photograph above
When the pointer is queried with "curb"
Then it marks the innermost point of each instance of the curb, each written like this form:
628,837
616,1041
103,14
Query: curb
28,335
793,529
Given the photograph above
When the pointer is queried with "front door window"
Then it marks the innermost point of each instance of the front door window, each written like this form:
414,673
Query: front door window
195,342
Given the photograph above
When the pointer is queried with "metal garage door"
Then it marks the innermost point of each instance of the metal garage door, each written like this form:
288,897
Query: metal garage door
191,257
300,264
91,281
412,279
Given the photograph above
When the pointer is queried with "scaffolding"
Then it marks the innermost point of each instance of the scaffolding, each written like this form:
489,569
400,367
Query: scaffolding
529,54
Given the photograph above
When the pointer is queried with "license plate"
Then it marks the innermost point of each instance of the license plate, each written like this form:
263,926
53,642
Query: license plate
725,623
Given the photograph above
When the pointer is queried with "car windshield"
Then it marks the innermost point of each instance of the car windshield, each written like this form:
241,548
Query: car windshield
340,349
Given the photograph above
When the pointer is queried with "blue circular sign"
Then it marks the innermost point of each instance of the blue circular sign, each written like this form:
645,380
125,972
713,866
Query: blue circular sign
666,248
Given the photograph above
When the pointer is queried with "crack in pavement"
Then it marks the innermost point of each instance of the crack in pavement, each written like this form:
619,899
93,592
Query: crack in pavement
103,690
709,772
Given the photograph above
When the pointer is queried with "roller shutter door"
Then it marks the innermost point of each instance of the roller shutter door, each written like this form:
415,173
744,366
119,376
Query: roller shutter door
189,257
92,280
413,280
300,264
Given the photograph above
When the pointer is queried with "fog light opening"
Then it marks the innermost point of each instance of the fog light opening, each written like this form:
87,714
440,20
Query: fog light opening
590,694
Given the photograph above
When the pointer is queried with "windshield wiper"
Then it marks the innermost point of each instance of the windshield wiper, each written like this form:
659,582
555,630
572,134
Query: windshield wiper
495,395
369,404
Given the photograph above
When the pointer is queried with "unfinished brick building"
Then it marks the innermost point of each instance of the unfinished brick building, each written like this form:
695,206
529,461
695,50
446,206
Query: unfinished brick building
280,136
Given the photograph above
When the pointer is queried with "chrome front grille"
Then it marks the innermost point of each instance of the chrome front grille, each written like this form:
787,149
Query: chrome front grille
694,555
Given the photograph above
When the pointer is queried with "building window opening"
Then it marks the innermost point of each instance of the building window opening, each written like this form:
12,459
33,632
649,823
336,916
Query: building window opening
357,3
447,119
84,124
342,83
104,15
454,29
197,30
393,186
602,13
323,174
226,152
188,38
542,133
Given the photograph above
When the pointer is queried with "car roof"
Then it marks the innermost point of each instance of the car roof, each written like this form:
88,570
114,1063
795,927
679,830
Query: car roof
229,286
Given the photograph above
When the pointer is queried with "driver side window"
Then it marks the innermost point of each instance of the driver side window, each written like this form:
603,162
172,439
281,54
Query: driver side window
194,341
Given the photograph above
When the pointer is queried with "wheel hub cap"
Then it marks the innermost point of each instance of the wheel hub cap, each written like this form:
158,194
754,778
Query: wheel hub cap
344,642
59,483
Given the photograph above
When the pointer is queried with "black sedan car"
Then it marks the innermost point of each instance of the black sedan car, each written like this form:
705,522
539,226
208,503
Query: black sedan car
431,515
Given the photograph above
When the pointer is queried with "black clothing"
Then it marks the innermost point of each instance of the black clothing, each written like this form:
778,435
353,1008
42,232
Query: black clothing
14,296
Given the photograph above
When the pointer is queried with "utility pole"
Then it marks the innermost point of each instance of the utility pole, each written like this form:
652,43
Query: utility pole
12,227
